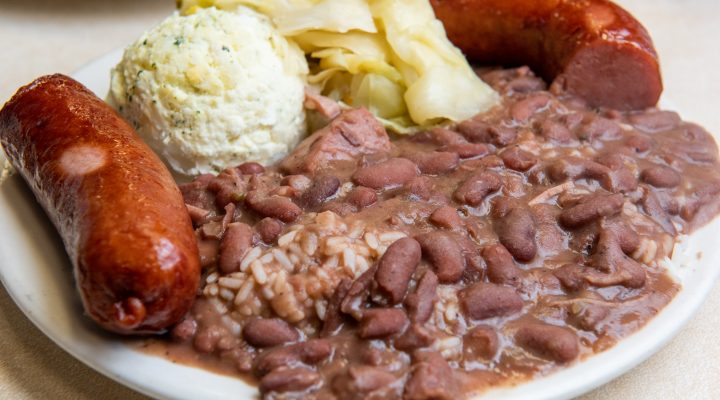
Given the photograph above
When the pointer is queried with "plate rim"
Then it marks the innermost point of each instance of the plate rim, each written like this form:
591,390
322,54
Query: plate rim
558,384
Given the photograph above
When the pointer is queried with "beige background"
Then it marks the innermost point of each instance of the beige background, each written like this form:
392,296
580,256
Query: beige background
45,36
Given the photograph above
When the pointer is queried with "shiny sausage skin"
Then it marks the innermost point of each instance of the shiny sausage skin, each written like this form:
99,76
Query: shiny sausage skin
118,210
593,49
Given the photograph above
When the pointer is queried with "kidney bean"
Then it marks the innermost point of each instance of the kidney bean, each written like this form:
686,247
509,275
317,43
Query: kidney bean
572,168
414,337
198,215
361,380
519,160
322,188
229,187
569,198
269,229
571,276
250,168
229,215
314,350
431,378
382,322
549,341
387,174
439,136
436,162
631,276
697,134
516,231
370,355
614,161
207,249
600,128
626,235
591,208
333,316
358,293
526,108
480,343
639,143
661,176
289,380
481,132
421,302
475,266
445,255
488,300
491,161
622,180
212,230
361,197
197,194
396,267
654,209
692,209
550,237
276,358
693,154
284,191
446,217
655,121
475,131
502,136
555,131
420,187
616,267
474,190
587,316
269,332
235,244
668,203
467,150
699,145
311,352
501,268
278,207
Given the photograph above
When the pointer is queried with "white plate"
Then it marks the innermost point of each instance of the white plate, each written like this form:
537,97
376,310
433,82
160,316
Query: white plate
37,274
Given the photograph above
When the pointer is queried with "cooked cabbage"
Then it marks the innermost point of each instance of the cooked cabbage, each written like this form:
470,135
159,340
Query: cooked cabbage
391,56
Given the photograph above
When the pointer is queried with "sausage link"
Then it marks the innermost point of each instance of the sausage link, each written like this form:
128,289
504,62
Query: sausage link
588,48
119,212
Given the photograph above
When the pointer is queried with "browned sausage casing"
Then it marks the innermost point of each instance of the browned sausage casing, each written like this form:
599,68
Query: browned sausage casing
593,49
116,206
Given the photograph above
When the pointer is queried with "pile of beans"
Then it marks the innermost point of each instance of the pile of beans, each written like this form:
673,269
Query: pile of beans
437,265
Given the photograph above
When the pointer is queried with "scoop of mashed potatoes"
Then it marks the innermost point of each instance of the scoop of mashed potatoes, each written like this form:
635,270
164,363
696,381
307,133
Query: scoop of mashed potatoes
213,89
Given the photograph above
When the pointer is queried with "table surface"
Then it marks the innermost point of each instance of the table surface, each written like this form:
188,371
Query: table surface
46,36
